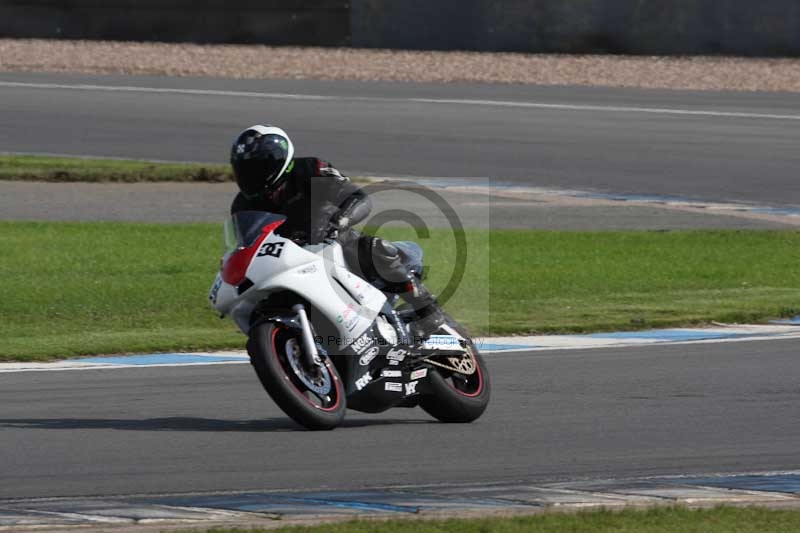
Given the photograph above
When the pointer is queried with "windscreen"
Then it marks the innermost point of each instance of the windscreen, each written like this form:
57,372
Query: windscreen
244,227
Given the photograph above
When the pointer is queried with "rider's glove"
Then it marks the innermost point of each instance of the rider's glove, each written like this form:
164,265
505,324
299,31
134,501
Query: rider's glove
326,169
338,226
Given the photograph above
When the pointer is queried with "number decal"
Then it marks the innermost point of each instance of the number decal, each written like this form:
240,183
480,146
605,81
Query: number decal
212,295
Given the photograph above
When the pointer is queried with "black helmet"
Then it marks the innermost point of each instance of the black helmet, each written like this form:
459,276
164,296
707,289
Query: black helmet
260,156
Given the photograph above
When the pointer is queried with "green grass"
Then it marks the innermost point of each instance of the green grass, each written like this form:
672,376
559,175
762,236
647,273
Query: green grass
71,289
86,288
657,520
68,169
623,280
74,169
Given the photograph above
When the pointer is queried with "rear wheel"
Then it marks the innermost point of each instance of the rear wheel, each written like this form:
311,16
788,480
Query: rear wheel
312,397
462,390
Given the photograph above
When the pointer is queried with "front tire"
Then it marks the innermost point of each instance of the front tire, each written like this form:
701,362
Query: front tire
458,398
270,347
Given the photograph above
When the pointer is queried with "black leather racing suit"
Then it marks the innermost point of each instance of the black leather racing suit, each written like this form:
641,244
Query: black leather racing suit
315,197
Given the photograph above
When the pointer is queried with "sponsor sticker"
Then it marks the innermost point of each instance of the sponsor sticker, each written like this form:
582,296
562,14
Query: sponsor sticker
362,343
363,381
367,358
349,318
393,387
419,374
308,270
351,323
396,354
411,388
273,249
392,374
347,312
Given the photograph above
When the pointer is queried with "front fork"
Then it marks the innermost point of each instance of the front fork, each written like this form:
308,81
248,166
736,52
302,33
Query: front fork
310,352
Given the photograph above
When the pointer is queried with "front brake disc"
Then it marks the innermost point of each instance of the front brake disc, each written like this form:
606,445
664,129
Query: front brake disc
318,380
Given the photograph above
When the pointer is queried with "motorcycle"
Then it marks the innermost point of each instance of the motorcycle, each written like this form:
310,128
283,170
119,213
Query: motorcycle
323,340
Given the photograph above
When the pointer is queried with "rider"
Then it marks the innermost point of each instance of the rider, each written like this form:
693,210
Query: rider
316,198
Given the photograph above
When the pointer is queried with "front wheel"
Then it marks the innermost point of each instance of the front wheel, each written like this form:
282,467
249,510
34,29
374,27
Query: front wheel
459,396
312,397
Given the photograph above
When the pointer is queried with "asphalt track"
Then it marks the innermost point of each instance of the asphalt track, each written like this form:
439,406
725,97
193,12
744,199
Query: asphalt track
562,415
558,415
702,145
210,202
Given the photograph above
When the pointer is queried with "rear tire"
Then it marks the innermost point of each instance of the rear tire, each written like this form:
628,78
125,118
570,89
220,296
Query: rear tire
269,354
458,398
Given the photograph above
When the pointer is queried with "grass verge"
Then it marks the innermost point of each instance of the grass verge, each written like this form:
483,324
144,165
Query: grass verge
92,170
69,169
658,520
86,288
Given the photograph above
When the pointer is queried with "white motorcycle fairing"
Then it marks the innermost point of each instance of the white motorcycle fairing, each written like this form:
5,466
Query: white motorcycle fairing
317,274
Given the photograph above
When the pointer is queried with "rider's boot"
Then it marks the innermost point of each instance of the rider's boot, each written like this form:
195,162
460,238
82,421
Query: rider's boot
389,263
429,314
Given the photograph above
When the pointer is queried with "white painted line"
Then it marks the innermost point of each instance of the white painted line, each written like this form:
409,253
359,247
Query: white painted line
648,343
726,474
612,109
436,101
82,516
72,365
510,345
165,90
586,342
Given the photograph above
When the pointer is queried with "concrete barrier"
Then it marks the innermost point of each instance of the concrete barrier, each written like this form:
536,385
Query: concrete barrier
736,27
285,22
